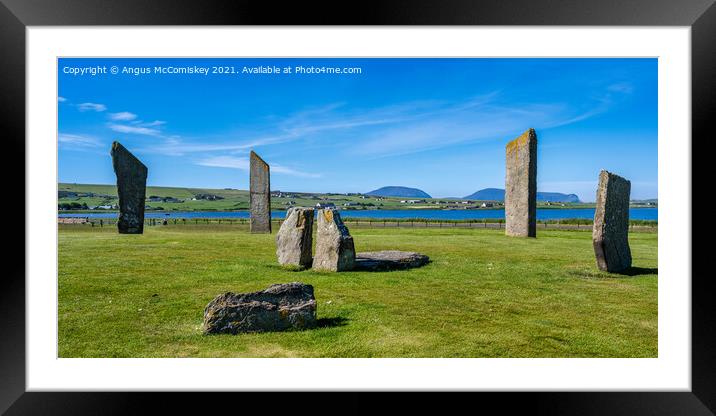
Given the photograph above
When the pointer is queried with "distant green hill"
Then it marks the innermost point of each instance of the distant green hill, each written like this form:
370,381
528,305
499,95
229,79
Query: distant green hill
488,194
399,191
496,194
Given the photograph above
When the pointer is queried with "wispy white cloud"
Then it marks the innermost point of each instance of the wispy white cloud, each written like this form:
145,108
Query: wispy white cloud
123,128
122,116
336,118
464,124
155,123
77,140
292,172
61,99
91,107
243,163
392,130
486,117
226,162
175,146
621,87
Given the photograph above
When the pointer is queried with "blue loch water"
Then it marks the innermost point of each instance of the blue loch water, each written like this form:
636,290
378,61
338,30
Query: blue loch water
432,214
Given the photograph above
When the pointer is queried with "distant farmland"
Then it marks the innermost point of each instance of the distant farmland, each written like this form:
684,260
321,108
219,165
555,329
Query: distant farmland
206,199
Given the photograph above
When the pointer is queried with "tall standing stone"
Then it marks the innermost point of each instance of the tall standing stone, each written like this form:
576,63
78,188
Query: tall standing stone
131,189
334,244
521,186
294,240
259,195
610,235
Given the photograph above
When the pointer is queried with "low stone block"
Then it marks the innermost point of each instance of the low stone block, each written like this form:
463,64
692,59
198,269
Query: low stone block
280,307
389,260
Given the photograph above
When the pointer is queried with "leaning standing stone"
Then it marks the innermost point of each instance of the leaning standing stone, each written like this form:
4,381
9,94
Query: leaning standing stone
259,195
294,240
278,308
610,235
334,244
131,189
521,186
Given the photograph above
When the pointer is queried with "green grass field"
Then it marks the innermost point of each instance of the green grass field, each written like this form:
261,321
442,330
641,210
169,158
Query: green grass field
483,295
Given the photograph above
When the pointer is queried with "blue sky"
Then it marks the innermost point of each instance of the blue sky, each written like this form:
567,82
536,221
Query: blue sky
440,125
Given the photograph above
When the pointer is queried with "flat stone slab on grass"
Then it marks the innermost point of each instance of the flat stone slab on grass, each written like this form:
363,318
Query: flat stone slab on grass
389,260
280,307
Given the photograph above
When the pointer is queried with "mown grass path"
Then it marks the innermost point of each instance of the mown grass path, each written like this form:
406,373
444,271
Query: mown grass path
483,295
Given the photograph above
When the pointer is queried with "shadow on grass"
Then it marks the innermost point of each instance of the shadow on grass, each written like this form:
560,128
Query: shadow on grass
595,273
331,322
371,266
638,271
361,266
288,268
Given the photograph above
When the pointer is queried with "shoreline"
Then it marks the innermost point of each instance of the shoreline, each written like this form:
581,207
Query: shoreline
115,211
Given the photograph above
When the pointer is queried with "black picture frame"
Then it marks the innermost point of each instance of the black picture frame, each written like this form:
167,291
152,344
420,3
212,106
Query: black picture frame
16,15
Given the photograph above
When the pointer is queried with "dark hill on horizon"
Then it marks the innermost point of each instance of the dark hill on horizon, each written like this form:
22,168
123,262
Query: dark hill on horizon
399,191
496,194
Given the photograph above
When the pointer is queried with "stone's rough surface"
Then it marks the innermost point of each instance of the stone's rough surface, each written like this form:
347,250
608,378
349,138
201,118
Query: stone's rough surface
278,308
334,244
389,260
131,189
259,195
294,240
610,235
521,186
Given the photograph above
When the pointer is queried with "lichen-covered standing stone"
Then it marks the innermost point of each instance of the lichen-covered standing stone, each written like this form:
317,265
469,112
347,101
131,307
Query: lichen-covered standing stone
610,234
334,244
278,308
131,189
294,240
521,186
259,195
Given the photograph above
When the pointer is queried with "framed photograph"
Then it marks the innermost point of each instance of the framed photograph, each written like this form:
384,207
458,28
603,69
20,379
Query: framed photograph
443,197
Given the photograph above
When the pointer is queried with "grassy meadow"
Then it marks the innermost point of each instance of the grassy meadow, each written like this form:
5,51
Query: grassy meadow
482,295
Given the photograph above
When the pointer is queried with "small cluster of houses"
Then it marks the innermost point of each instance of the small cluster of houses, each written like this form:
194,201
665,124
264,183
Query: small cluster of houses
453,204
197,197
207,197
165,199
71,194
322,205
279,194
